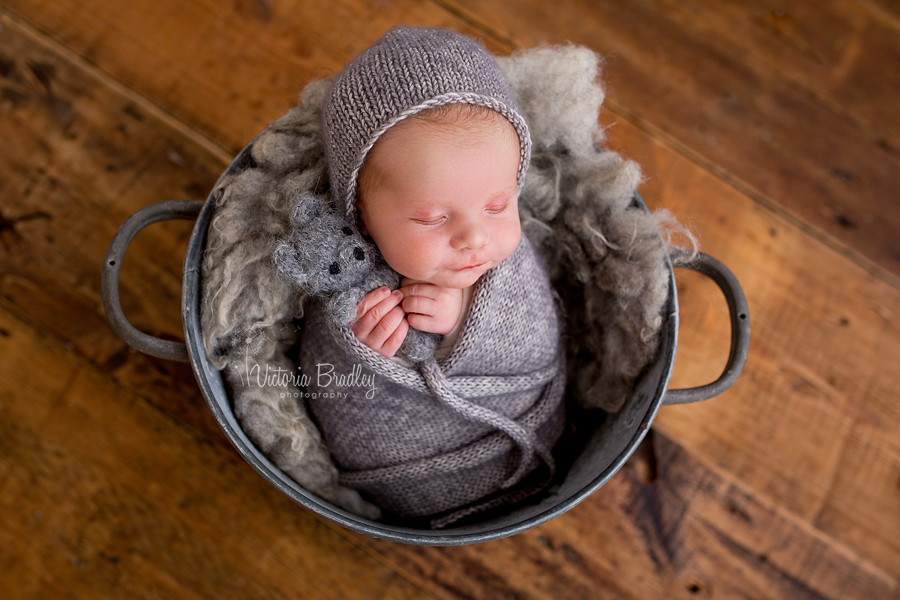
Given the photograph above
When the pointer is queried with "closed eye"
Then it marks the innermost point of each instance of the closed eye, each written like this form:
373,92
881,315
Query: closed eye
435,221
497,210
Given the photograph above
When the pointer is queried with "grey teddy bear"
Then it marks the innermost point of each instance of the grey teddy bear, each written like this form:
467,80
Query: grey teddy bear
326,256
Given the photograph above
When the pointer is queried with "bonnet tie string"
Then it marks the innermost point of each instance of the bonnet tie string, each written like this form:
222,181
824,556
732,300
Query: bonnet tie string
524,438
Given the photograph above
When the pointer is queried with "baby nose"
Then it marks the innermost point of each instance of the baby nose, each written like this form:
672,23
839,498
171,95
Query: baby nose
469,236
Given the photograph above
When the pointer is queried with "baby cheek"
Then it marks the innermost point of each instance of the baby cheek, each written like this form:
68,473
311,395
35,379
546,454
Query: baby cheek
511,236
411,257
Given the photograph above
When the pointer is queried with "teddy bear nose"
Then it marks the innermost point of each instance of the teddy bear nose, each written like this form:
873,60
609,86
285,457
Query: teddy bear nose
334,269
359,253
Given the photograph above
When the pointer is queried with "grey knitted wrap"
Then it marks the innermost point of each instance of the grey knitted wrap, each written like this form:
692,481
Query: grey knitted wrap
409,70
454,437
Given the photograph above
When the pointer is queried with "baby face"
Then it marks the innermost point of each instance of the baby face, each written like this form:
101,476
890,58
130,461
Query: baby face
440,199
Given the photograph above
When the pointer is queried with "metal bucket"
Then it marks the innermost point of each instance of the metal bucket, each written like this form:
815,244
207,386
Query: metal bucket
596,459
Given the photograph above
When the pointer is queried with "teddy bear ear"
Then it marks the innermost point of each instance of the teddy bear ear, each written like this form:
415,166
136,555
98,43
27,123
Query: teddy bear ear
308,208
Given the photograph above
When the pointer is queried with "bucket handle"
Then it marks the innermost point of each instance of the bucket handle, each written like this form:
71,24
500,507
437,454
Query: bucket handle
740,332
109,286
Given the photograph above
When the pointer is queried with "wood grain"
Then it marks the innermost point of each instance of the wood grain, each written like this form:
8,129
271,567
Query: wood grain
87,157
227,69
824,331
114,477
86,511
684,532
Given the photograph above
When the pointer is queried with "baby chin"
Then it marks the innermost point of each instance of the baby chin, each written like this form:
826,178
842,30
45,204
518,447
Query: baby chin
463,277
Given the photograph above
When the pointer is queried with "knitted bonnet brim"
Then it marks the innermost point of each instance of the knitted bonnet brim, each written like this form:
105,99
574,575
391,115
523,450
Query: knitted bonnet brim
408,71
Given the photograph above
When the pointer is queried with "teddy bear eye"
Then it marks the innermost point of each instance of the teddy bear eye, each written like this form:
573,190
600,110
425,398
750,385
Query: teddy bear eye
334,269
359,254
347,231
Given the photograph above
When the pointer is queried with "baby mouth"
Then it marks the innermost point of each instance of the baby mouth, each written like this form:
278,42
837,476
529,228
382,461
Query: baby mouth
473,266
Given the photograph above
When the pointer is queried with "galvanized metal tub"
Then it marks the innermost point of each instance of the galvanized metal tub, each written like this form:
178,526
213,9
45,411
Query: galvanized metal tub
597,458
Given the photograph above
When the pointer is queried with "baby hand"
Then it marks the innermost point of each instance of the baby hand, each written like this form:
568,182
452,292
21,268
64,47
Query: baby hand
380,322
430,307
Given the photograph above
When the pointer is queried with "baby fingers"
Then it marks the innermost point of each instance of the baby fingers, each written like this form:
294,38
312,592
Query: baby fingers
381,325
420,305
371,299
411,287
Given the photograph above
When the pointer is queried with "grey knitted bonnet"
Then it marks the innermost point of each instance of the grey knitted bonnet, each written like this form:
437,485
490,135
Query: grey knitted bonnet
407,71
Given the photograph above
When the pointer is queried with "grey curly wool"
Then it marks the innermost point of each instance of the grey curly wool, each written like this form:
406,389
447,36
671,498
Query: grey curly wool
606,258
247,309
325,255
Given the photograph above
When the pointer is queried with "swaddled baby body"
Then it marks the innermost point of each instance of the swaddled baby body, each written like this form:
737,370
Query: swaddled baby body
427,153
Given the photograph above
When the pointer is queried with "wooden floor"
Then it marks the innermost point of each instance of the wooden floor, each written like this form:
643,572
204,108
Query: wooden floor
773,132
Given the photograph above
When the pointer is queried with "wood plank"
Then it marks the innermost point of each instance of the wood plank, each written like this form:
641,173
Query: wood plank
863,500
228,70
675,69
684,531
819,378
103,496
836,51
87,157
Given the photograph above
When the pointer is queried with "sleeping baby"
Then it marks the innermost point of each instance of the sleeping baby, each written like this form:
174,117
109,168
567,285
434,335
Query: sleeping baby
427,153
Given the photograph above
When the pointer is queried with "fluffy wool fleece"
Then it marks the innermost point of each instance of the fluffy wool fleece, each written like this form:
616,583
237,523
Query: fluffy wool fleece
606,256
